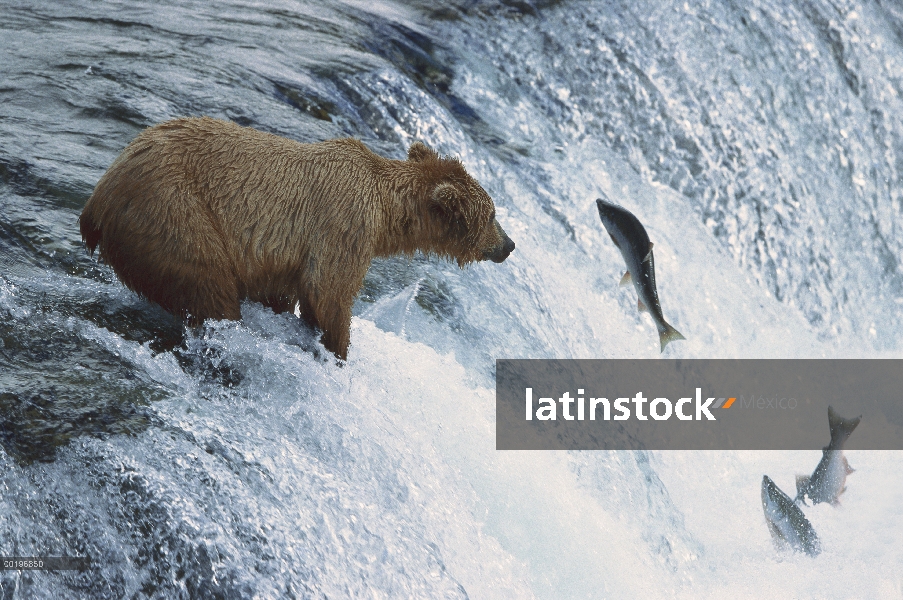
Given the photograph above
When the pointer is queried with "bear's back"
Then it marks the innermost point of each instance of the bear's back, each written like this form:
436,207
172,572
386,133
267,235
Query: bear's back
268,195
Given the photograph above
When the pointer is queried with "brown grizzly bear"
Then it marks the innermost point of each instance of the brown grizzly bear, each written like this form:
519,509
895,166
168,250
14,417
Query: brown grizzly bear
198,214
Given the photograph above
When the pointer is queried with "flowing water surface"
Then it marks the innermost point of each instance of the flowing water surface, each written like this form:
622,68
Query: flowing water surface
761,142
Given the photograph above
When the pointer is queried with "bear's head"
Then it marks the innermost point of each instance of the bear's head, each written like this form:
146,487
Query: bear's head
460,214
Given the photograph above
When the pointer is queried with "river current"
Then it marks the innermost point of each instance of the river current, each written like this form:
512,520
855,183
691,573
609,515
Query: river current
760,142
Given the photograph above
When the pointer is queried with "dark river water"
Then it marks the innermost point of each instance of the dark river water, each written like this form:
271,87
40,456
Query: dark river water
760,142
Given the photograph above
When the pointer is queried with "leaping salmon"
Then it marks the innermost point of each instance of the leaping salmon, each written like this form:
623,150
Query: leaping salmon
788,525
630,237
828,481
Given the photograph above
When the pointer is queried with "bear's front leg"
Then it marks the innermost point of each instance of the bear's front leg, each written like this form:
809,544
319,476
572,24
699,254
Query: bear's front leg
336,328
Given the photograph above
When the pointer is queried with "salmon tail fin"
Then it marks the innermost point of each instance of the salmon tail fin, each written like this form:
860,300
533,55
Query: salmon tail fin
840,428
668,334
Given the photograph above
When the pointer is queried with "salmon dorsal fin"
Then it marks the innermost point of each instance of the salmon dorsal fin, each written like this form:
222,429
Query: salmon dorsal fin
626,280
649,254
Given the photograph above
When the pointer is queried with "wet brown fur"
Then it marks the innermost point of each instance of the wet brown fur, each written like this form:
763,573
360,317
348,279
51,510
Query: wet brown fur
198,214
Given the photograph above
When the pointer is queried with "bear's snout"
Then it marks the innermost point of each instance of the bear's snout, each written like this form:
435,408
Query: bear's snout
500,253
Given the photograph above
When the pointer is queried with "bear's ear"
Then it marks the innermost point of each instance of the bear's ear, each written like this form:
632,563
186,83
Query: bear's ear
419,152
447,203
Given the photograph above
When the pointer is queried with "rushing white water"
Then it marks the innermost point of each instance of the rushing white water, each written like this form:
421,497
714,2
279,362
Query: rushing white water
760,144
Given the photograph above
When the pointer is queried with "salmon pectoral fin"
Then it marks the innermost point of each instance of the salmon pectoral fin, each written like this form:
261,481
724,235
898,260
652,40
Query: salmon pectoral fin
626,280
847,467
